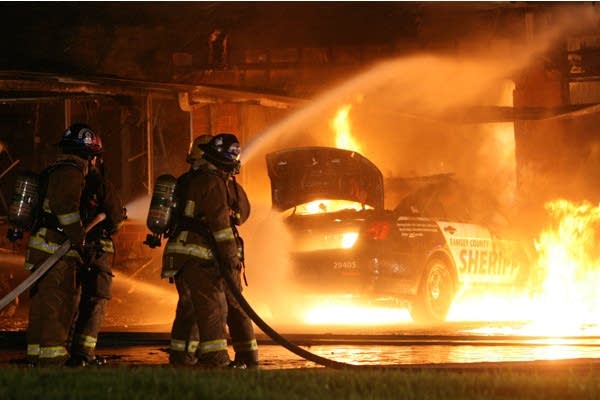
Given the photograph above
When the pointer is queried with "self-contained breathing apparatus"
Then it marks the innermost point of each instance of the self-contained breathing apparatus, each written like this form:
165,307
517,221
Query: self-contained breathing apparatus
26,212
26,209
221,150
24,205
162,207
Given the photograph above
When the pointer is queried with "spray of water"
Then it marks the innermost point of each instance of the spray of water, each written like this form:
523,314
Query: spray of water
402,116
137,209
129,306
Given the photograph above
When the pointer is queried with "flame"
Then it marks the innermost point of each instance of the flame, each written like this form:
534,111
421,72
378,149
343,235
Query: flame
565,299
341,126
327,206
569,265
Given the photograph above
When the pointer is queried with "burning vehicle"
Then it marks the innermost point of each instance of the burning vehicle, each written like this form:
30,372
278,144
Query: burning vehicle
442,237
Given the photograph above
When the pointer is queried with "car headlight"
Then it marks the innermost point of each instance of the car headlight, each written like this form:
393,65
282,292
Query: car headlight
348,239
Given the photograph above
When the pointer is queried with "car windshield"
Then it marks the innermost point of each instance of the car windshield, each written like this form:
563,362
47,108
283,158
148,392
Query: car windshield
327,206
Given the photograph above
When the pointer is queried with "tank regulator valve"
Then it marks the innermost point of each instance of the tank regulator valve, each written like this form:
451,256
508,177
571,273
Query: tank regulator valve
14,234
152,240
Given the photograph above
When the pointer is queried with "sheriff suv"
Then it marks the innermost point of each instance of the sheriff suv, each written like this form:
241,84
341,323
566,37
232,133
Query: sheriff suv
440,237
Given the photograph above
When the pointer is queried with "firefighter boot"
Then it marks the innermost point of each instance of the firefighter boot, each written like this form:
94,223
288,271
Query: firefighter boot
214,359
81,361
182,358
245,359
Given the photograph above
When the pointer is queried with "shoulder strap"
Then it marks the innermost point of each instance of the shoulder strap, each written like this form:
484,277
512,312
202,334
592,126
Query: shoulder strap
58,164
51,168
43,189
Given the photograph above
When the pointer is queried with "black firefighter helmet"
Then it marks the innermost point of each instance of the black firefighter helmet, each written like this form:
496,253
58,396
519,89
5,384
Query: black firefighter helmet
79,139
223,151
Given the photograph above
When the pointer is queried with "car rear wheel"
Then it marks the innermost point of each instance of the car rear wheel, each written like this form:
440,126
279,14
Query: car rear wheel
436,293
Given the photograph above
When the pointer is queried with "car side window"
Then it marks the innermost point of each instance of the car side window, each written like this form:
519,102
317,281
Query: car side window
449,201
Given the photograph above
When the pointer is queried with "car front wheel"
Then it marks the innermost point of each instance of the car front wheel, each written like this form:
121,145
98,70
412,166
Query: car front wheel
435,295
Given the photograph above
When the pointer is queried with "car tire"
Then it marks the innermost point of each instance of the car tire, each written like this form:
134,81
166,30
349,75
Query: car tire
436,293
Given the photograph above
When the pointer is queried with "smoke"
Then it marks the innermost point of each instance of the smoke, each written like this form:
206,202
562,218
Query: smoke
405,110
270,287
406,115
137,210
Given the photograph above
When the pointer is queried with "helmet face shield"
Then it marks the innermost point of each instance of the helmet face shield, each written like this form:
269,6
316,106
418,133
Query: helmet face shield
224,151
233,152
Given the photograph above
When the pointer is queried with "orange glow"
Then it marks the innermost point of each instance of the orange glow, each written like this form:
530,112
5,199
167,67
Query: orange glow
348,239
343,239
327,206
565,300
343,134
354,315
570,270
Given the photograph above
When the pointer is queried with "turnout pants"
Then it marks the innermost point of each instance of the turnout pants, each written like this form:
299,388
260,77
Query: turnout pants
185,338
96,290
53,300
240,327
203,303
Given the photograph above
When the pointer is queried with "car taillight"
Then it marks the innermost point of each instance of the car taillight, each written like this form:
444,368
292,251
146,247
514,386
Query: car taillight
379,230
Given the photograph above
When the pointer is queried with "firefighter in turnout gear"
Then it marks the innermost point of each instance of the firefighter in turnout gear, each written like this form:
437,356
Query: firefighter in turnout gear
184,332
54,296
208,203
95,275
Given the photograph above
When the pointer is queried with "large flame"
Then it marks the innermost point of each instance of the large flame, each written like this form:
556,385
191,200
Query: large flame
564,300
343,132
569,266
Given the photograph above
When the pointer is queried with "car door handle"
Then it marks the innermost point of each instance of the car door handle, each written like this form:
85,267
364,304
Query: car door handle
450,229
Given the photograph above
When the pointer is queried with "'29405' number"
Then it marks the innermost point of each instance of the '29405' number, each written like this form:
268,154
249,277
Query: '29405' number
344,265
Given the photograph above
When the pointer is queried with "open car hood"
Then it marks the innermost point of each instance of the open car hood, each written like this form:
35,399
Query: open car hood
304,174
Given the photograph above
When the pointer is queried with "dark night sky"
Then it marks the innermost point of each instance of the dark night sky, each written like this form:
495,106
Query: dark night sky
346,21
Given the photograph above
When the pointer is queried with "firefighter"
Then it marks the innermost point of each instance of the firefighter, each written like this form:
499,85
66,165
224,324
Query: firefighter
54,296
184,332
204,243
95,276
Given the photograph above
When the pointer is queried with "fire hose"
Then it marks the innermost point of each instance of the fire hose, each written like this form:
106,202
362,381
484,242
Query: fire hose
45,266
274,334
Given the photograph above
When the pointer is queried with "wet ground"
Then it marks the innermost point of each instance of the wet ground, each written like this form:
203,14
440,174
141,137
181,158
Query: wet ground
398,350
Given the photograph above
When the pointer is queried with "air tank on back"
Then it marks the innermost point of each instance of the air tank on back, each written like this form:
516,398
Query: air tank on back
161,209
23,207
